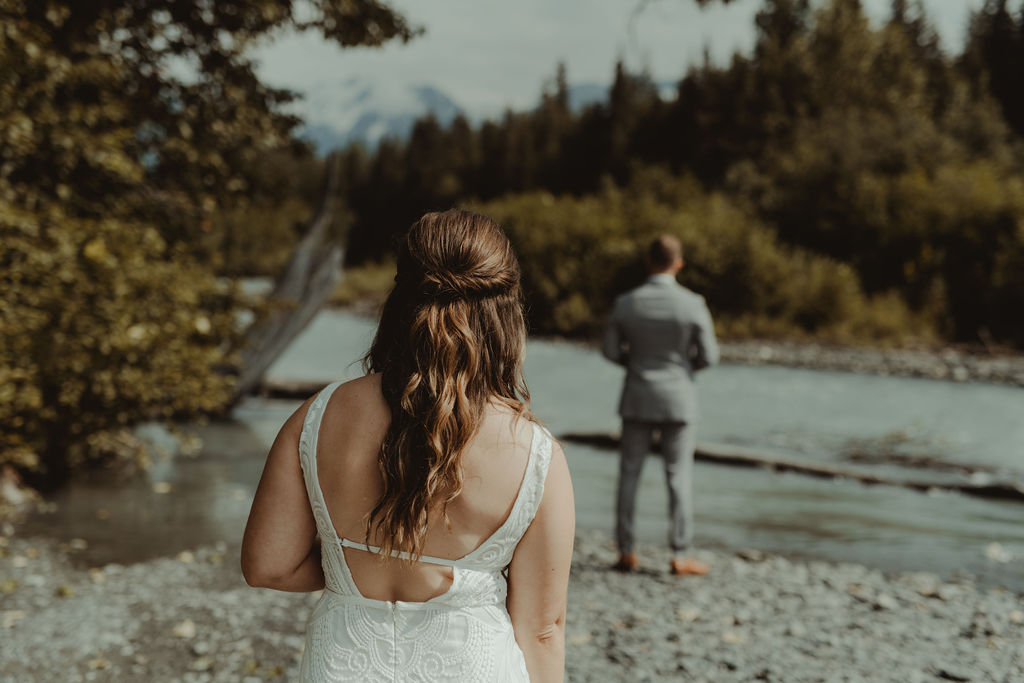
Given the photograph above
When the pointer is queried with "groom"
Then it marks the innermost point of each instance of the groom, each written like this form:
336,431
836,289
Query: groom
662,334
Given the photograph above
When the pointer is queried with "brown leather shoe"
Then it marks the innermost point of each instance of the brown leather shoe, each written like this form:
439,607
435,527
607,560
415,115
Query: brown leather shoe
689,566
627,563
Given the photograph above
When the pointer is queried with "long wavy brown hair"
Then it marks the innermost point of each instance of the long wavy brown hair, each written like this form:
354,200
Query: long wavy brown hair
450,341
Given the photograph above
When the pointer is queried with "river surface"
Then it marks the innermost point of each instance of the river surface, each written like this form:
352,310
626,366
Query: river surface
808,414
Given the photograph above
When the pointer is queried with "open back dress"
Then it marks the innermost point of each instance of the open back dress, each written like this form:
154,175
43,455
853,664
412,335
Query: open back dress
464,634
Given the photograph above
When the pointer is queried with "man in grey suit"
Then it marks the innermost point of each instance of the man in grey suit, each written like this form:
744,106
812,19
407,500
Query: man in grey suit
662,334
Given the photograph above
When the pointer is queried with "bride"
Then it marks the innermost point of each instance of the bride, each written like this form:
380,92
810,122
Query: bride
424,497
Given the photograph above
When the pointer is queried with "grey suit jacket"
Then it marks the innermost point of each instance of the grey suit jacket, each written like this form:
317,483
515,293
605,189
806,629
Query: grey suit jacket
661,332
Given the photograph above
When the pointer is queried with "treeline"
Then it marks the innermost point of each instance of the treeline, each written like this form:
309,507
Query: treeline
867,147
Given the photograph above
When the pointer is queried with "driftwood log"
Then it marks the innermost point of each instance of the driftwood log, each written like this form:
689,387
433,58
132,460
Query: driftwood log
312,272
726,454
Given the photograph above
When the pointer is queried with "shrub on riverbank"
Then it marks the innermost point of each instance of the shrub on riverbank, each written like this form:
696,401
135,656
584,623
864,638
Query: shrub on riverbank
577,254
124,189
365,286
101,327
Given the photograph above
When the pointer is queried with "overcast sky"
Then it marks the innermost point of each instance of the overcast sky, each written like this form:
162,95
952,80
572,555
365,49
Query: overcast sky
489,54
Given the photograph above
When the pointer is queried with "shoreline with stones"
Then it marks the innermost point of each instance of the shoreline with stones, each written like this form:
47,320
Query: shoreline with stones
951,364
756,616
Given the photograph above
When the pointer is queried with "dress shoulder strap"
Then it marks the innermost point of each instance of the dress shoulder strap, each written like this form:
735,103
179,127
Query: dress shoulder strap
308,440
536,475
497,550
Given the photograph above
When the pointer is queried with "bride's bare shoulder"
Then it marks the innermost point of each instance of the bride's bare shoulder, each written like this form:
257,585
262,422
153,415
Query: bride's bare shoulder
366,386
362,398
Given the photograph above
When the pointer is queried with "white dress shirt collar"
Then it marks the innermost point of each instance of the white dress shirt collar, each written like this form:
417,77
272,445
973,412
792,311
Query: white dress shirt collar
662,278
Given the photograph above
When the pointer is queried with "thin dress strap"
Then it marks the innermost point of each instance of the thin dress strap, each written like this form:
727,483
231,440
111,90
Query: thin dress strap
308,441
497,550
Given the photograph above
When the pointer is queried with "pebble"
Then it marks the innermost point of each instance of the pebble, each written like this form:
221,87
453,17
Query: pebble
202,663
796,629
186,629
751,555
997,553
885,601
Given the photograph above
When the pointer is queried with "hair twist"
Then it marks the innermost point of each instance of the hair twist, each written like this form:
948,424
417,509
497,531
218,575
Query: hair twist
464,285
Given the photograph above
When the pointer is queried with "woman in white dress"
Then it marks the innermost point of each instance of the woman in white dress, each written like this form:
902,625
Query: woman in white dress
423,497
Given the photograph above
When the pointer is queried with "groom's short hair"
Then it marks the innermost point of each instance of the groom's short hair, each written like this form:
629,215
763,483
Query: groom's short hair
664,251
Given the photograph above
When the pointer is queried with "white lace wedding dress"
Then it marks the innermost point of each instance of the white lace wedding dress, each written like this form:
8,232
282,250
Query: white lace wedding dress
464,634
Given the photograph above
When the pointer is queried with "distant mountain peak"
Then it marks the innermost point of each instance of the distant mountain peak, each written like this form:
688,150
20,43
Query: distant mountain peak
355,109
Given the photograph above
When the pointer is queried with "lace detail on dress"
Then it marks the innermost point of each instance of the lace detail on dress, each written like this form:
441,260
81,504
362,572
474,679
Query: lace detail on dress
464,634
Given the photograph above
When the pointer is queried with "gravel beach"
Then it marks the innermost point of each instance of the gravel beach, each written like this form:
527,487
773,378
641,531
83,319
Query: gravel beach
952,364
755,617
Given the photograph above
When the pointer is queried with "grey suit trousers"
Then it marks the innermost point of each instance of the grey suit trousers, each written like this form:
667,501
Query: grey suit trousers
678,440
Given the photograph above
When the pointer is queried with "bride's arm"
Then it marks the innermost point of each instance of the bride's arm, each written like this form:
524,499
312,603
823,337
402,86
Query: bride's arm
538,580
280,549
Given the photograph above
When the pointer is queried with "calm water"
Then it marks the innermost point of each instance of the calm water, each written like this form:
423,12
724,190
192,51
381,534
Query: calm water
807,414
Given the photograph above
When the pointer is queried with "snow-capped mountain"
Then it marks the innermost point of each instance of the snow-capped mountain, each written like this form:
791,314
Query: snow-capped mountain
357,110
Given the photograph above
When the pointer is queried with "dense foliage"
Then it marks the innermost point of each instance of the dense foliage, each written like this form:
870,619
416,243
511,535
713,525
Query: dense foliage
112,171
868,146
577,253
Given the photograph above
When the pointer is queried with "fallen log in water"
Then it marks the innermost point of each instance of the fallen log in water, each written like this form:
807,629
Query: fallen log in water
726,454
312,272
290,388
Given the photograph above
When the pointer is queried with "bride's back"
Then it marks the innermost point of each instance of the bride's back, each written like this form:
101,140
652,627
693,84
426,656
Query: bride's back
432,455
493,463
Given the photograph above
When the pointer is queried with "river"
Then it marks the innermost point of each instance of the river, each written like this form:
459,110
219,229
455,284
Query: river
813,415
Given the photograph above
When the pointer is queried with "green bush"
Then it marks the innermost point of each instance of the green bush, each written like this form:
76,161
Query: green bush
365,286
114,172
570,251
100,328
577,254
255,239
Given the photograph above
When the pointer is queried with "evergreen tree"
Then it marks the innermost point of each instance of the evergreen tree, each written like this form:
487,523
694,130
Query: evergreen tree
994,57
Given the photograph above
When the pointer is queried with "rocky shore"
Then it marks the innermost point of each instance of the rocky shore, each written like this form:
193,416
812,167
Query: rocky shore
755,617
953,364
766,617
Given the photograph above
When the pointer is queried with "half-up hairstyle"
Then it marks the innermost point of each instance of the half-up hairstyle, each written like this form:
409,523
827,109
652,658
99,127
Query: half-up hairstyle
450,341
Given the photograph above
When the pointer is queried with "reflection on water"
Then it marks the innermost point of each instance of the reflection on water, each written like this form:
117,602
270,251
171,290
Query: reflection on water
884,526
812,413
181,503
808,413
